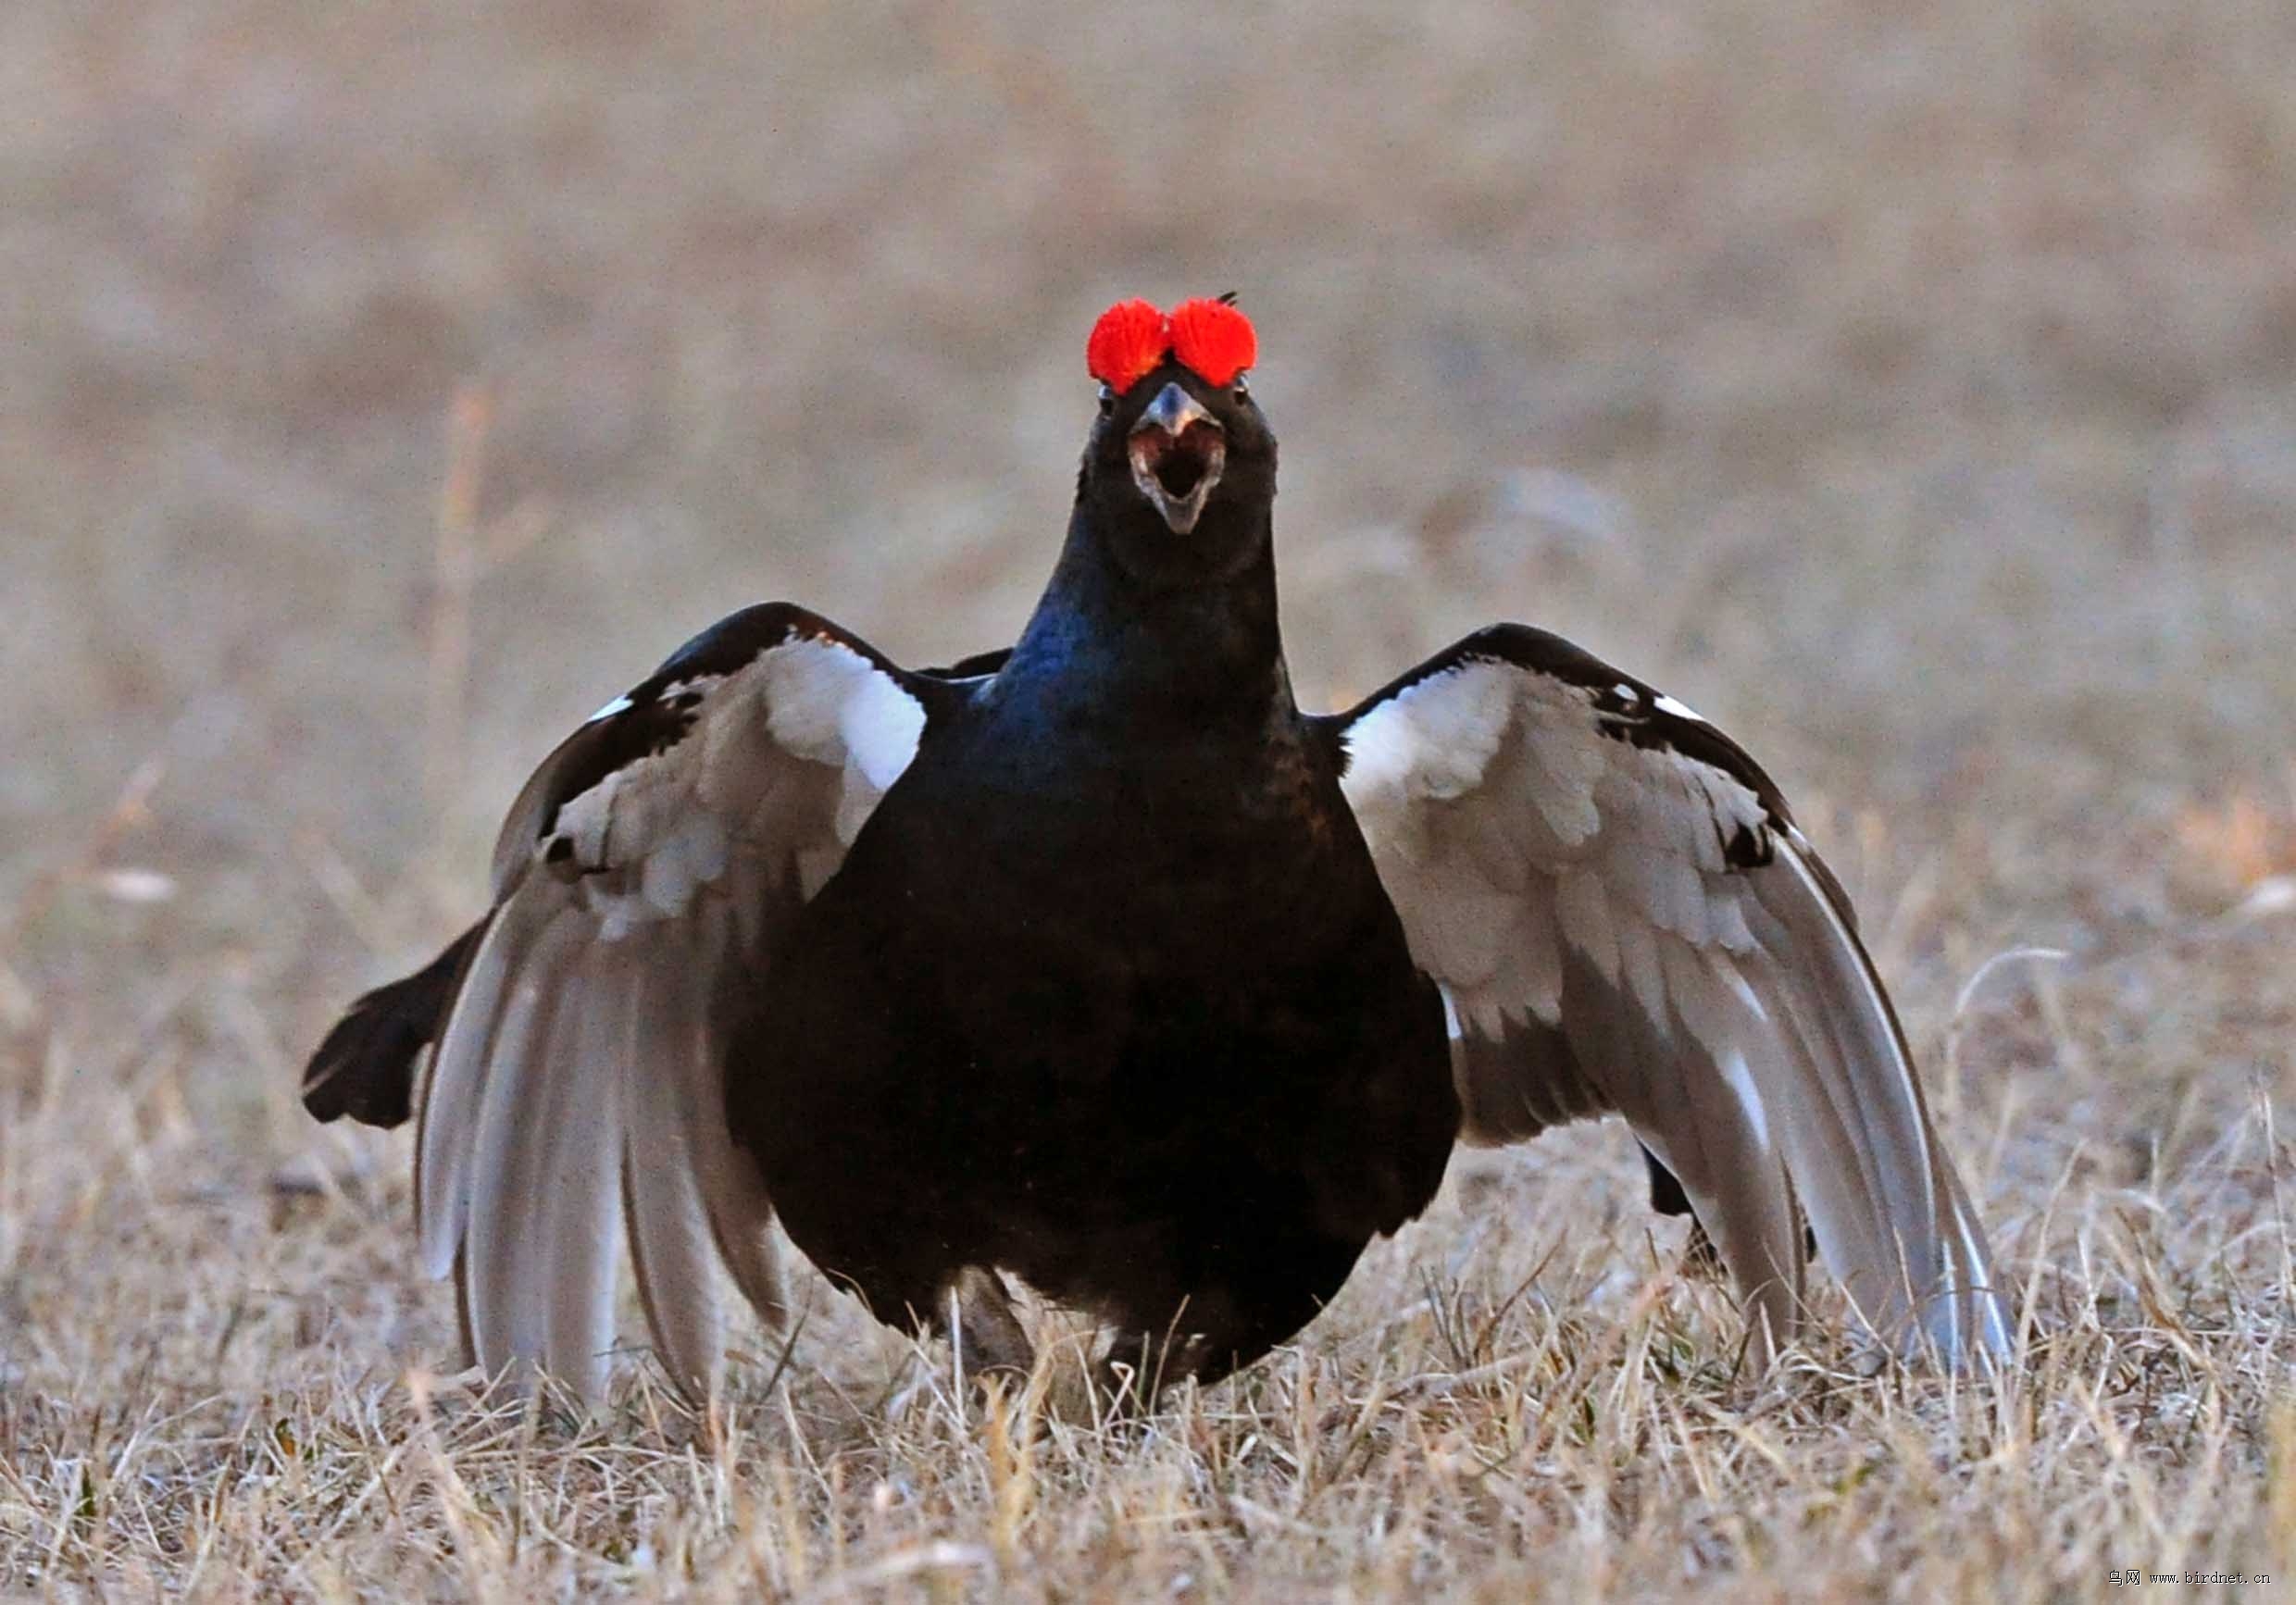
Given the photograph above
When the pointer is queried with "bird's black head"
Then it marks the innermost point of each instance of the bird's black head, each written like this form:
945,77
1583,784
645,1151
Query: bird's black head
1181,468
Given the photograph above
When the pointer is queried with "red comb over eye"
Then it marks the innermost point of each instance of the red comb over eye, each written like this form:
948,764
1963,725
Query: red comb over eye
1130,338
1213,341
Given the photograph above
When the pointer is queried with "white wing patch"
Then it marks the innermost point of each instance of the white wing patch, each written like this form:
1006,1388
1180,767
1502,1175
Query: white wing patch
1431,739
829,704
651,834
1630,839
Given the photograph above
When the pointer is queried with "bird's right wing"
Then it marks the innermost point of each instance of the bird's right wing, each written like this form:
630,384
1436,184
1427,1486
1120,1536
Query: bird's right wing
576,1098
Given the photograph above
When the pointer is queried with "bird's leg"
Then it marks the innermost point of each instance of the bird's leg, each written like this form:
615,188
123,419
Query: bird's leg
1221,1324
1700,1257
1137,1366
976,1308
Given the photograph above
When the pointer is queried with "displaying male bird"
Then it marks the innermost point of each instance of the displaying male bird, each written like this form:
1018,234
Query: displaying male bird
1099,964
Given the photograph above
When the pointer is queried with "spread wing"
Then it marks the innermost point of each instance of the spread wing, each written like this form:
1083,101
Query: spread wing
576,1096
1623,917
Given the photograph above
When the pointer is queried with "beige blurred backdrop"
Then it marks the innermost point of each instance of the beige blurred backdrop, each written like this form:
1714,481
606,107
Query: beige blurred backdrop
1907,386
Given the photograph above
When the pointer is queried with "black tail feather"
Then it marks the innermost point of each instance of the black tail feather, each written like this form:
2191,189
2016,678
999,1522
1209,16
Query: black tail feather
366,1067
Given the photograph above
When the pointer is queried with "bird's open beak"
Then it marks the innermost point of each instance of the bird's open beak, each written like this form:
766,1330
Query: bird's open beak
1177,450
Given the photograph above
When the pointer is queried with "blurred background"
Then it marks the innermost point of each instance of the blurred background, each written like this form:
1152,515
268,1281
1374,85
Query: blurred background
1908,386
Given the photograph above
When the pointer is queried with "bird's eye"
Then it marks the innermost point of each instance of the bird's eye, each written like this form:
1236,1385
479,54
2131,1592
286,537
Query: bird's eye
1240,389
1107,398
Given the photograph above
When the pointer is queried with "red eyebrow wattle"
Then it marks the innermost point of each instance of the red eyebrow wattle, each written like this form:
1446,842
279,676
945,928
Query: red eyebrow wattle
1126,343
1213,341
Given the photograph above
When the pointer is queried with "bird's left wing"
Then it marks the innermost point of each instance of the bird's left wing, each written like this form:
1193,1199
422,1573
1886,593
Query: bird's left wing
1623,917
643,877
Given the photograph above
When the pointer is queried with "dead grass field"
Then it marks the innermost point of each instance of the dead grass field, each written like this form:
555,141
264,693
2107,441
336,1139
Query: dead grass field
1911,387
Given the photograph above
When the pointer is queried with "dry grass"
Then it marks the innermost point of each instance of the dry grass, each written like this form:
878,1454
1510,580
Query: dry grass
1906,386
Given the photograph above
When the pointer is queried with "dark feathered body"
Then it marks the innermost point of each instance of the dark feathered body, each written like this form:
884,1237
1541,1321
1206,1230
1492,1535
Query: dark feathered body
1097,963
1108,995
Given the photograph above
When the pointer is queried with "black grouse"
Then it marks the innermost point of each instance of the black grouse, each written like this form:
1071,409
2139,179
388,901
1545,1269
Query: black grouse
1098,963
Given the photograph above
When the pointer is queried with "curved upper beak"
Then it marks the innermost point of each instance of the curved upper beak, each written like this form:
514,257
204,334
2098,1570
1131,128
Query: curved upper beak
1177,450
